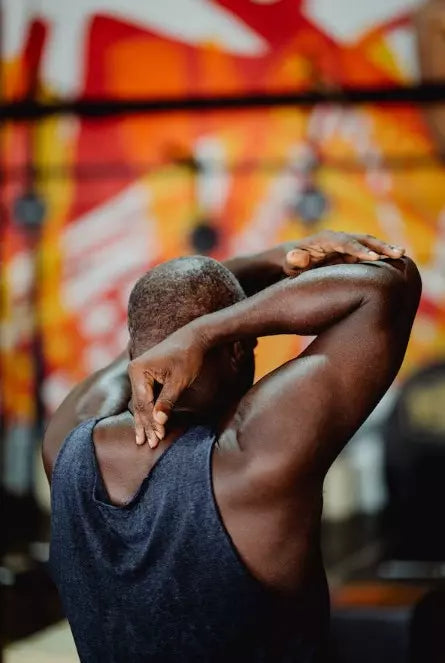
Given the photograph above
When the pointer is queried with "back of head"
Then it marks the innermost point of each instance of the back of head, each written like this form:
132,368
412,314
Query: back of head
175,293
172,295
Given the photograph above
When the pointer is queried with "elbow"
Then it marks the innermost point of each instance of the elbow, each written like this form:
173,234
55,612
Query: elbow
407,283
399,284
413,280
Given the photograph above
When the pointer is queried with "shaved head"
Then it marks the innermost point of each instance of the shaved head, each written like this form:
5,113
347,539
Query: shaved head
175,293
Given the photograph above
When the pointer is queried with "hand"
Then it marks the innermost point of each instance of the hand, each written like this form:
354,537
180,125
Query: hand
330,247
173,363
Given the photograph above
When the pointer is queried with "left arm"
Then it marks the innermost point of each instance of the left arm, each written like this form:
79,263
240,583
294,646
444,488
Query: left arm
102,394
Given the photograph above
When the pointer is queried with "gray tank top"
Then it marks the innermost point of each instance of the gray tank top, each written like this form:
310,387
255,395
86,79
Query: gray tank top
159,580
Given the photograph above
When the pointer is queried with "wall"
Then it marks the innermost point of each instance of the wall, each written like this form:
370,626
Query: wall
120,195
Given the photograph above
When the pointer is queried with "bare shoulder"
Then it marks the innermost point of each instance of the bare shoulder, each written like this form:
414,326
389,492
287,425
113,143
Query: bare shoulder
265,429
103,393
63,421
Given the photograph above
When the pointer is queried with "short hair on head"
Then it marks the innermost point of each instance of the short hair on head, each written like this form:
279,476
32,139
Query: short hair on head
176,292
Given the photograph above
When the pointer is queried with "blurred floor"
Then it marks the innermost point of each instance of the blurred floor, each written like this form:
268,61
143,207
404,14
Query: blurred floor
53,645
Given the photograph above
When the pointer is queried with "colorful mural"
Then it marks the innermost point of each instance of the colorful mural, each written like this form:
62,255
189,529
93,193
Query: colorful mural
120,194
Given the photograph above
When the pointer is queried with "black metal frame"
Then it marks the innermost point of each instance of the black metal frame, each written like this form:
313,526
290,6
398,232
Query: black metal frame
432,92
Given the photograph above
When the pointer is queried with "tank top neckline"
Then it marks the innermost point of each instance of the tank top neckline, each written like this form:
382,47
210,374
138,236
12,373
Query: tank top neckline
99,493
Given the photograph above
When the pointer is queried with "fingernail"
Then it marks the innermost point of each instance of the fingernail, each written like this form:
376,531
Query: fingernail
152,443
160,418
373,254
139,439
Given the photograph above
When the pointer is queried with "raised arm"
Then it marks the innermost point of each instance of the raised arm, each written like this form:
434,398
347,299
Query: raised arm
301,414
298,418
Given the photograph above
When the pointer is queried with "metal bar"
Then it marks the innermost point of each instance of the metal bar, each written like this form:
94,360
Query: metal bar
26,109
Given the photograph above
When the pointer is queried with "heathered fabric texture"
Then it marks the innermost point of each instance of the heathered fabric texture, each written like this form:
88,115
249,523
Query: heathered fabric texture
159,579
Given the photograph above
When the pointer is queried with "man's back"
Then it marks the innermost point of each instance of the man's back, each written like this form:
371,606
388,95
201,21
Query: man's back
276,440
160,578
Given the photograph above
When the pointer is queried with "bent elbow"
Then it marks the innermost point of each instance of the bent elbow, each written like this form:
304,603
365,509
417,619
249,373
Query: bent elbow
408,287
400,285
412,277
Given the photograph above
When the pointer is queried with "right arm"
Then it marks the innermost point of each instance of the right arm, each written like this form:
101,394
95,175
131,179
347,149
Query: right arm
296,420
362,317
298,417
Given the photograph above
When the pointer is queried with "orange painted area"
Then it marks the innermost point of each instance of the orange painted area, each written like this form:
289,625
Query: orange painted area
139,66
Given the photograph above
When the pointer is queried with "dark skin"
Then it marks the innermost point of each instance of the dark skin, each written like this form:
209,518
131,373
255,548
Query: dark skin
275,442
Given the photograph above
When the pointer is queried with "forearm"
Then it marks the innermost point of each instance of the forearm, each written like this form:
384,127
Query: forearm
260,270
306,305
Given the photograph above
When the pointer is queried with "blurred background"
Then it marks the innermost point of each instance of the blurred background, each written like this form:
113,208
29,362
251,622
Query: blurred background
136,131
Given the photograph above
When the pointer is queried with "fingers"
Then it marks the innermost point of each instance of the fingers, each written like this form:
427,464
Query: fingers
382,248
142,384
360,246
322,247
165,403
154,424
298,258
356,249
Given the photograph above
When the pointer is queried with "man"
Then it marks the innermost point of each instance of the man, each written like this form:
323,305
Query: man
203,545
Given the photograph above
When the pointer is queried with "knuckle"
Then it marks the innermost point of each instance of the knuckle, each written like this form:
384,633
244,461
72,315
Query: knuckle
140,406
